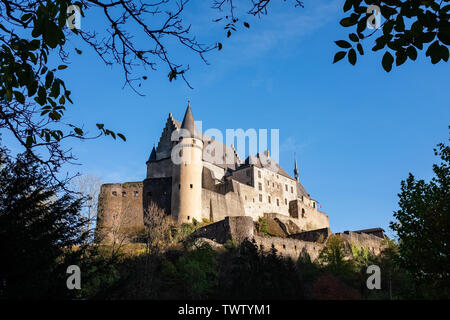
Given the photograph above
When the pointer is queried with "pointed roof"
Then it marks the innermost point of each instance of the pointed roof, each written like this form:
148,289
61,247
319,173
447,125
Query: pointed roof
295,168
152,155
188,121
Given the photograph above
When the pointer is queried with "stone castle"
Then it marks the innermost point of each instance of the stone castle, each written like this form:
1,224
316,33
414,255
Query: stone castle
194,177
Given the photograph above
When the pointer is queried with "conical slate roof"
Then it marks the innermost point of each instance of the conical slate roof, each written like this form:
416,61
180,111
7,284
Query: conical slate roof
152,155
188,121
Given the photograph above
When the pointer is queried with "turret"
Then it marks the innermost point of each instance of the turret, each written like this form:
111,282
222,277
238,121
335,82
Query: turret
187,172
295,168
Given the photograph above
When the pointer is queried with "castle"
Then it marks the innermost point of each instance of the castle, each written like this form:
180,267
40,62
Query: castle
194,177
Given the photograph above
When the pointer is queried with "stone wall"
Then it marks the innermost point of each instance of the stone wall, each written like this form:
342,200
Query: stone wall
120,208
362,240
308,217
290,247
319,235
158,191
216,206
230,228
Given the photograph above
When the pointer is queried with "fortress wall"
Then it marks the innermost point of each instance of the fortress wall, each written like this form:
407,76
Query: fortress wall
217,206
270,184
307,217
241,228
290,247
371,242
120,206
230,228
158,191
159,169
244,176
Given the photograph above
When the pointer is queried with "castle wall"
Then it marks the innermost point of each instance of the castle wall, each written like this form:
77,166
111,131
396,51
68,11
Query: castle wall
307,217
158,191
373,243
216,206
120,207
272,192
159,169
241,228
290,247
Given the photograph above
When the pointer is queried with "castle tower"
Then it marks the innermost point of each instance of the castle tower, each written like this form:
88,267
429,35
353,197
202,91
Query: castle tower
295,168
187,172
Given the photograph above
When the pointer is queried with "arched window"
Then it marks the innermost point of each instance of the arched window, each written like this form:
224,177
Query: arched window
303,212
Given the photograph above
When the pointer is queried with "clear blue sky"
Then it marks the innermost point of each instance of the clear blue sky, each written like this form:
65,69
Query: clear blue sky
357,131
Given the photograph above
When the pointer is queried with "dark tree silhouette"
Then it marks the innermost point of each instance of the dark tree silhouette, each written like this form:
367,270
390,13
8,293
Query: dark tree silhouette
39,227
423,227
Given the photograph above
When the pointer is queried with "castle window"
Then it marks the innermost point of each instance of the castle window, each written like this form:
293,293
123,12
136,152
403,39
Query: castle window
284,246
278,202
292,189
314,204
114,193
260,186
248,173
253,199
268,198
268,183
273,184
285,201
124,194
136,193
245,197
259,174
192,185
303,212
189,218
260,198
286,187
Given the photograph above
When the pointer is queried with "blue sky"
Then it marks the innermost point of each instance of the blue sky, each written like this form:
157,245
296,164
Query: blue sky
357,131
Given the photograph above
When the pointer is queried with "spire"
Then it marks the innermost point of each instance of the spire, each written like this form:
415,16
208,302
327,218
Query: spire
152,154
295,168
188,121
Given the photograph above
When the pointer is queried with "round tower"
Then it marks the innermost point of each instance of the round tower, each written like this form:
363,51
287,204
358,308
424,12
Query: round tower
187,172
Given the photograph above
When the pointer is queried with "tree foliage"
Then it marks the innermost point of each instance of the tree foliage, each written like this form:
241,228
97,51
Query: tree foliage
423,227
408,26
40,225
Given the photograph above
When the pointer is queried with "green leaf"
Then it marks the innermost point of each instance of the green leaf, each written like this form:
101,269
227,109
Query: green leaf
343,44
352,56
387,61
339,56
